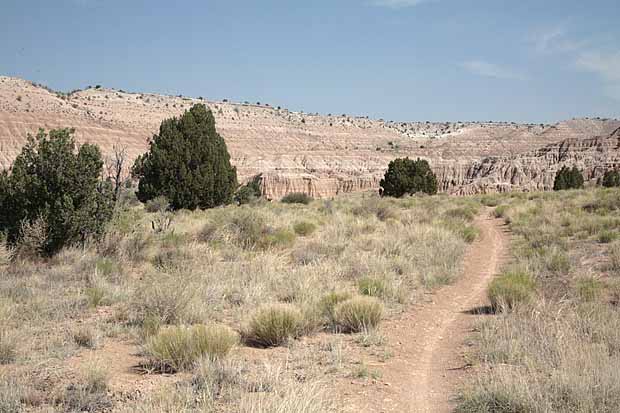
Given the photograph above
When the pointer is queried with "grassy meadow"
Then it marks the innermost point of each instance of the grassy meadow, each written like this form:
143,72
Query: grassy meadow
255,308
553,344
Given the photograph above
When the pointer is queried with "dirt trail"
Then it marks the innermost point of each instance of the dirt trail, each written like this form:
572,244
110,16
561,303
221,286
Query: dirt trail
429,341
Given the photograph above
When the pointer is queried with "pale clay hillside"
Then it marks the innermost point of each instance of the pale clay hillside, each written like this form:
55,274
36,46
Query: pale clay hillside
322,155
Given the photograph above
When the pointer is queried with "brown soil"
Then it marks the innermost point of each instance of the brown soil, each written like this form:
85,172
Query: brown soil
429,340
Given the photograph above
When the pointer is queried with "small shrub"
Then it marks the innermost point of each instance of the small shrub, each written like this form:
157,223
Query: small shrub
297,198
508,290
279,238
158,204
589,289
328,304
358,314
178,348
274,325
304,228
372,287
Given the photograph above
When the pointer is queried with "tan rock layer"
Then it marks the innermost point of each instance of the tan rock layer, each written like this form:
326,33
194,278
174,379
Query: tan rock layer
319,155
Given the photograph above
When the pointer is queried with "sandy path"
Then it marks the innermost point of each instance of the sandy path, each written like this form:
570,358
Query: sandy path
429,340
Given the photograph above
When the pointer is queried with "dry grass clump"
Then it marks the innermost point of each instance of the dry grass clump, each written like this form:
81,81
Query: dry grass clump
164,297
86,336
304,228
589,289
6,254
328,303
358,314
90,394
373,287
178,348
8,346
511,289
614,257
273,325
10,395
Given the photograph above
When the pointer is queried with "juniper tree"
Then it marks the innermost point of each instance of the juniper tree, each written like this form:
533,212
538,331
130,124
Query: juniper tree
188,163
406,176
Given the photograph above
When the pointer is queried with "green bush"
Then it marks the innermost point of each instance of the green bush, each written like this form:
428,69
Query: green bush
611,179
188,163
52,183
297,198
508,290
406,176
568,178
178,348
358,314
304,228
273,325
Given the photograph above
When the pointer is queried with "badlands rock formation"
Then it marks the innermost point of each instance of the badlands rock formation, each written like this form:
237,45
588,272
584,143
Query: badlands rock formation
319,155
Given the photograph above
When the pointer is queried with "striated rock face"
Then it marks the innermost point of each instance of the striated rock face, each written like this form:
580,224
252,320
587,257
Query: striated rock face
320,155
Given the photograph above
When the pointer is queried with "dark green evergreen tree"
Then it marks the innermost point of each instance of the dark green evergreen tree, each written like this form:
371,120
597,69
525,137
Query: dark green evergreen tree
611,179
188,163
568,178
406,176
50,181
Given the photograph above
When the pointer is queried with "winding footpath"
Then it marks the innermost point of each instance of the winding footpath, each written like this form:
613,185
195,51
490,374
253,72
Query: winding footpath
429,340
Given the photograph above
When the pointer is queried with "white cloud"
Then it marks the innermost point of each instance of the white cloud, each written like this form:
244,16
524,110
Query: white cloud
606,66
554,40
585,55
487,69
399,4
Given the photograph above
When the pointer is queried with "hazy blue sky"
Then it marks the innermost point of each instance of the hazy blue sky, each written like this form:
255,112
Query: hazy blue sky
521,60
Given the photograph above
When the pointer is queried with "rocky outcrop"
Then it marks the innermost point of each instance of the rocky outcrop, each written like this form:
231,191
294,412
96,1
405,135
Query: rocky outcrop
320,155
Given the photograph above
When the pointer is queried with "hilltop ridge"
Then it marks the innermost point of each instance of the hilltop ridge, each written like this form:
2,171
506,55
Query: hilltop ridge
318,154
